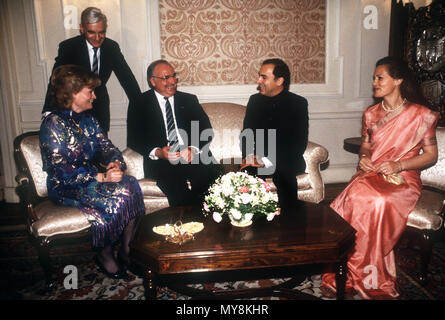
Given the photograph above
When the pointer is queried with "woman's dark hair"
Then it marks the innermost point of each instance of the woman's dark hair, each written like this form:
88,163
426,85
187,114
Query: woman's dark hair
68,80
409,89
280,70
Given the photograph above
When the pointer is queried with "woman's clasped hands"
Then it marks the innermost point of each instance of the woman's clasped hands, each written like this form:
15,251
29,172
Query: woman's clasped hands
386,167
114,173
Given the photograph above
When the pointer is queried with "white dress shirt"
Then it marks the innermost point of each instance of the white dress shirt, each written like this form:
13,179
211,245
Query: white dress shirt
162,103
91,55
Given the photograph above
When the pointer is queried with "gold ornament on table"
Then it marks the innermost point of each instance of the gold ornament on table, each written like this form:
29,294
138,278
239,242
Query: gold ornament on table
179,233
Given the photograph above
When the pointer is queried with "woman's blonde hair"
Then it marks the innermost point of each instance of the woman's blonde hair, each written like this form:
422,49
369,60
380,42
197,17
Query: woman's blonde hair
69,79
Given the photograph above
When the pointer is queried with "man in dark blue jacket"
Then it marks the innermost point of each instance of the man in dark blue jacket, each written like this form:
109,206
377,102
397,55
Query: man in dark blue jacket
278,111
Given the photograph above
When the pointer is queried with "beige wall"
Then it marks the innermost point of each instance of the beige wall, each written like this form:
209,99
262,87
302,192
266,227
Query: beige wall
30,31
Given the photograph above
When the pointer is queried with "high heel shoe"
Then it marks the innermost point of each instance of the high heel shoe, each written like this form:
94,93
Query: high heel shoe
123,263
120,274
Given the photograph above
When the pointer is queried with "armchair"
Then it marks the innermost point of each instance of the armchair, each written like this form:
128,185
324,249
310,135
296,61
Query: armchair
48,223
427,217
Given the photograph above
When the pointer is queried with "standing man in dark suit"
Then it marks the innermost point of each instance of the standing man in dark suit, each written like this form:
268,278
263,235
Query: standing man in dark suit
279,155
172,132
99,54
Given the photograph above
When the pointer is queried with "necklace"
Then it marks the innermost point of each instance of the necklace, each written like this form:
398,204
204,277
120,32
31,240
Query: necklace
392,110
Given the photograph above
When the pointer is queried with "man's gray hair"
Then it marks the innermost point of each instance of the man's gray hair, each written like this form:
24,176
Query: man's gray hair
92,15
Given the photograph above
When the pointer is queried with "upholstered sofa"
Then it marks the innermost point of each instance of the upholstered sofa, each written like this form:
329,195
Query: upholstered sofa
227,122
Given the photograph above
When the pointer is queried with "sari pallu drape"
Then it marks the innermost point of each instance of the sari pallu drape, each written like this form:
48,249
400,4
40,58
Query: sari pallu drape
377,209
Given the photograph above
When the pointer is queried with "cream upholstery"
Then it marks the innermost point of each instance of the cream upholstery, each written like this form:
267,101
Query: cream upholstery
427,217
435,175
30,147
426,214
154,198
227,122
49,219
56,220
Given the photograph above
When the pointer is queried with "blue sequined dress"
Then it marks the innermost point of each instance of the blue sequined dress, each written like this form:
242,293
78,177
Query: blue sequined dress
70,143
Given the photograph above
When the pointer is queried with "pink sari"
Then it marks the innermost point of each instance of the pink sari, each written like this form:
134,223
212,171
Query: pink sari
377,209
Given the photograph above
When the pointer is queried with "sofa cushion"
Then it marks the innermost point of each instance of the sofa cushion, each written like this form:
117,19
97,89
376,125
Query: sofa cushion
149,188
134,162
426,212
153,204
227,121
54,220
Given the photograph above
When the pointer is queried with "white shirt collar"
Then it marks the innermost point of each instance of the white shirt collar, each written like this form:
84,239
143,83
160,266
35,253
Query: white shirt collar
90,47
161,100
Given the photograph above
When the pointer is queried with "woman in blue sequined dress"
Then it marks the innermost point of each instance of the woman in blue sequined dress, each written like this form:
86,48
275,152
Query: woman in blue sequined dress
73,148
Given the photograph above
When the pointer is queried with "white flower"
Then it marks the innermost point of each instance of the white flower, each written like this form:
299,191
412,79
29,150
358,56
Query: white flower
248,216
227,190
217,217
270,216
220,203
240,196
246,198
235,214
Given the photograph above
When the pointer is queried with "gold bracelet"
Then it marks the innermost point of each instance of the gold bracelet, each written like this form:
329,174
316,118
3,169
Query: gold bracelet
363,155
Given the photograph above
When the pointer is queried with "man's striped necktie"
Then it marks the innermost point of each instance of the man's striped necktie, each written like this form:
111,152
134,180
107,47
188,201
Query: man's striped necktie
171,130
95,68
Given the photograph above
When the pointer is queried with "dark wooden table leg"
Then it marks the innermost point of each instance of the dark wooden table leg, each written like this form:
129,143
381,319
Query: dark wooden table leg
150,285
340,279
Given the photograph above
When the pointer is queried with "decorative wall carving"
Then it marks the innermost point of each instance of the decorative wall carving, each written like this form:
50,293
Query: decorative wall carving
425,52
222,42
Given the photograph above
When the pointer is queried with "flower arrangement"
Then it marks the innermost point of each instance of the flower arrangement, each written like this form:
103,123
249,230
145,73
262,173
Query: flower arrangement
240,196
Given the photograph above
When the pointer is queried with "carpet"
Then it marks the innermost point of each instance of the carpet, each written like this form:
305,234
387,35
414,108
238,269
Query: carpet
21,277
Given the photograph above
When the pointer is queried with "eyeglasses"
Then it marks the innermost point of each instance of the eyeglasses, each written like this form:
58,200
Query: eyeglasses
166,77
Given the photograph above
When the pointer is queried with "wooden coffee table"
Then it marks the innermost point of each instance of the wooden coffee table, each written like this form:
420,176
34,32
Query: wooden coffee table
311,235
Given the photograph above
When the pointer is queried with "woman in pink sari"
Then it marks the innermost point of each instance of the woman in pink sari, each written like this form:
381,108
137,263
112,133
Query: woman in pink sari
387,185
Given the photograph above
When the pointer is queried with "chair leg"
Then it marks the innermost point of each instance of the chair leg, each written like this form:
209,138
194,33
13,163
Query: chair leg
426,248
43,248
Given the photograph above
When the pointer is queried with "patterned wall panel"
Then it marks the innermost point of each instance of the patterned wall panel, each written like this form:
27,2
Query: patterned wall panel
222,42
